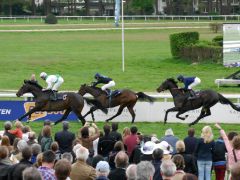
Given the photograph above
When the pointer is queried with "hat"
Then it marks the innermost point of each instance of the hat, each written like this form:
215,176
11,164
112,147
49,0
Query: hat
102,166
167,148
148,147
155,139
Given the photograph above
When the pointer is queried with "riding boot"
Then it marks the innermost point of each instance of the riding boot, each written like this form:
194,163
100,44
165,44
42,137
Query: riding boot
54,95
108,91
192,95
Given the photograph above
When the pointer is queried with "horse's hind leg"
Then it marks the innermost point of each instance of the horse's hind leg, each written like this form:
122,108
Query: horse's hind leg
92,109
202,115
117,114
130,109
179,113
65,115
80,117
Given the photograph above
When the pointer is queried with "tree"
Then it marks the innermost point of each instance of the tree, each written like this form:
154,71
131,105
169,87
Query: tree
143,6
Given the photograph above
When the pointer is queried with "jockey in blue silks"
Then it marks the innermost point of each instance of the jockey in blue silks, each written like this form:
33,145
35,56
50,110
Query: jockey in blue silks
108,82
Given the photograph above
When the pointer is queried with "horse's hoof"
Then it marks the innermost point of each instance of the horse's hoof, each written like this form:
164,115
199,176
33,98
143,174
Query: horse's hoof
27,121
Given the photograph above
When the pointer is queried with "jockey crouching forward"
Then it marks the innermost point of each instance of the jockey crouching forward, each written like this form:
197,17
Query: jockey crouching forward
189,83
53,83
108,82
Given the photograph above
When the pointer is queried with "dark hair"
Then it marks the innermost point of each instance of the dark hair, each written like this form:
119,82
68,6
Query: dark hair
84,132
62,169
26,153
231,135
133,129
189,176
31,173
96,159
114,126
191,132
106,129
3,152
47,122
7,125
179,161
48,156
54,146
157,154
65,125
46,131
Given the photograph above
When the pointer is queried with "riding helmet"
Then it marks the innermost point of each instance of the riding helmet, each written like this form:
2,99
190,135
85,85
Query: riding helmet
180,78
97,75
43,75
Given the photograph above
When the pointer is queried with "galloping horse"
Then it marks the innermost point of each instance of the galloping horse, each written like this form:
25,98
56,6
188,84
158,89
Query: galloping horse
206,99
70,102
126,98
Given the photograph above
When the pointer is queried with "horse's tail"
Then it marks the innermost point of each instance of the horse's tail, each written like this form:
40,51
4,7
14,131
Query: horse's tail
96,103
224,100
142,96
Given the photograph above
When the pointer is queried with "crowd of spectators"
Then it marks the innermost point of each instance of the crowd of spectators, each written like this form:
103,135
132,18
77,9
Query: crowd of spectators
107,154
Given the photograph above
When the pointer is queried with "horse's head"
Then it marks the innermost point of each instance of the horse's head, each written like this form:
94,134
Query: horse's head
83,89
27,87
167,84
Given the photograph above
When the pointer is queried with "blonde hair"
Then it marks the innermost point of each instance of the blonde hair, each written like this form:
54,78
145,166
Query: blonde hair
180,146
126,131
18,124
207,134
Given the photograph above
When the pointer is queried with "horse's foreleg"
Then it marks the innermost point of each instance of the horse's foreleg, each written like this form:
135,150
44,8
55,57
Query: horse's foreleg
130,109
117,114
29,113
92,109
65,115
169,110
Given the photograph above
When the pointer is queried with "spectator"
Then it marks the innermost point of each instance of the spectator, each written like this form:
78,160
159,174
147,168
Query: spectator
25,131
67,156
96,159
170,139
46,140
80,169
5,163
235,171
131,172
105,143
116,135
15,172
131,140
156,162
190,141
117,148
55,148
147,150
203,153
121,161
7,127
168,169
18,131
189,159
46,122
179,162
20,146
6,142
46,169
38,162
102,170
36,149
136,153
62,169
189,176
31,173
219,159
167,149
65,138
145,170
31,138
126,132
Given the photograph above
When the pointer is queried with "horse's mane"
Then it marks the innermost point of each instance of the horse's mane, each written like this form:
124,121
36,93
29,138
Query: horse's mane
33,83
172,80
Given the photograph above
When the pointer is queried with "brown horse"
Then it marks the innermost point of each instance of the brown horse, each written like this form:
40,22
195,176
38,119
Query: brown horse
70,101
126,98
206,99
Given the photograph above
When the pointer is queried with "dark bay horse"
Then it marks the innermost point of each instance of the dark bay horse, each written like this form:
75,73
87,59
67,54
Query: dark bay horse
126,98
70,102
206,99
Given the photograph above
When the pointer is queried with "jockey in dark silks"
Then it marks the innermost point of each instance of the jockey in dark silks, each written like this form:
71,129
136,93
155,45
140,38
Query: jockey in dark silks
189,83
108,82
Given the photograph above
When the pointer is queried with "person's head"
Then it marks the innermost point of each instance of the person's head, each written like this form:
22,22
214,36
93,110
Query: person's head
114,126
33,77
21,145
119,146
96,159
168,168
131,172
180,146
46,122
82,153
148,148
18,124
62,169
67,156
145,170
102,168
76,147
3,152
188,176
121,159
126,131
54,146
180,78
133,130
65,125
207,134
48,157
236,142
169,132
157,154
43,75
26,129
36,149
97,76
106,129
31,136
231,135
27,153
31,173
7,125
167,148
235,171
179,161
5,141
39,159
84,132
191,132
46,131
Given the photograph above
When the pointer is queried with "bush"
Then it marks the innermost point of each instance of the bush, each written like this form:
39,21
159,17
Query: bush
180,40
51,19
218,40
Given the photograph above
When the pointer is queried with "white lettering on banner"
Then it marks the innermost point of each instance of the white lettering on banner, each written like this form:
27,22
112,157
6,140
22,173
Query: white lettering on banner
155,113
5,111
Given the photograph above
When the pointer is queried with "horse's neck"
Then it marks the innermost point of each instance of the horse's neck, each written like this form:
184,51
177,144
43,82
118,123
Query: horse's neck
36,92
175,91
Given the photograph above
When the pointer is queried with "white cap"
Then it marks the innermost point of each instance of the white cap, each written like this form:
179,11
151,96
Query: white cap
43,75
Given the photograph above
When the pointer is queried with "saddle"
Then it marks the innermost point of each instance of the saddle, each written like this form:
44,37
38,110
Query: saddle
114,93
54,96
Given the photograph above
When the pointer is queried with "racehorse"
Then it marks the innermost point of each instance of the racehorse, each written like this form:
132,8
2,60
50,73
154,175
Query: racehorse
125,98
205,99
70,101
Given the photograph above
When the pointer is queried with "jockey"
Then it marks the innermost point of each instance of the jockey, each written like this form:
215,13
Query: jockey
53,82
104,80
189,83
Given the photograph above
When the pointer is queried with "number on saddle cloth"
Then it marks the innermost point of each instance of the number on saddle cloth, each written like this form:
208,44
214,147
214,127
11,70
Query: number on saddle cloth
115,93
